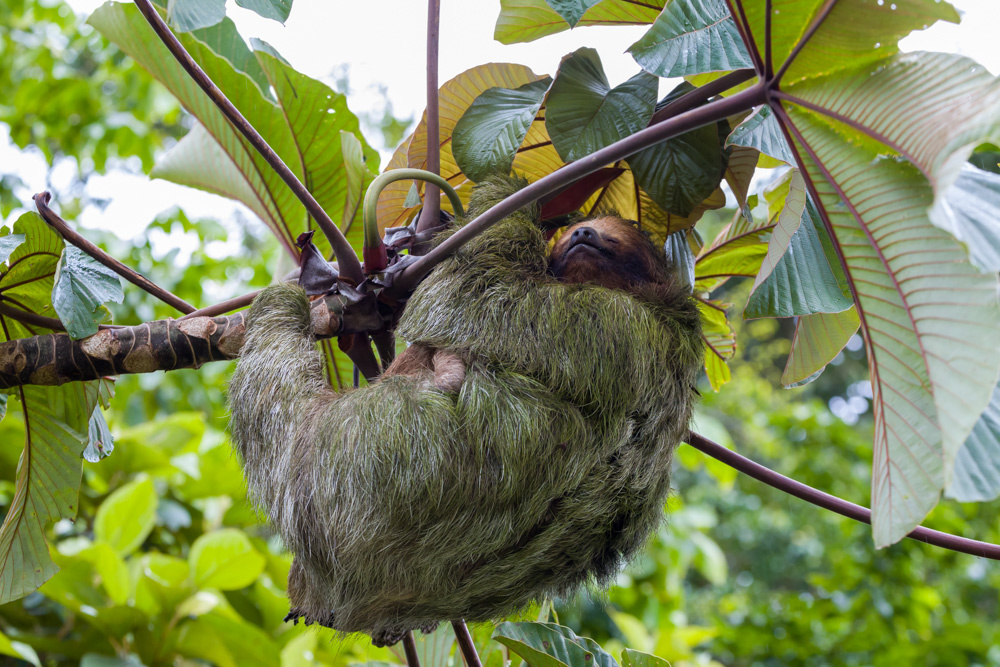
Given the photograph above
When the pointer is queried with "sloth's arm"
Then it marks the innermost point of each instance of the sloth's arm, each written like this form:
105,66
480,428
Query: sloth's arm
274,392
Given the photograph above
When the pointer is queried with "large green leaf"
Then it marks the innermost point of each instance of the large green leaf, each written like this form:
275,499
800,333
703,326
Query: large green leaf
55,419
680,173
691,37
528,20
82,286
551,645
225,559
761,130
583,113
977,465
818,338
970,210
127,516
571,10
916,292
851,33
303,126
269,9
487,137
26,281
188,15
799,275
47,484
720,341
8,244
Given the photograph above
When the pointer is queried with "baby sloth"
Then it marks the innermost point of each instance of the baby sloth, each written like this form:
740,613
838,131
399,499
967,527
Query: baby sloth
520,447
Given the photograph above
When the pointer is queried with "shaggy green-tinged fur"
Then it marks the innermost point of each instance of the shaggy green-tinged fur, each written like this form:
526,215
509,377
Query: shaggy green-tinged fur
405,505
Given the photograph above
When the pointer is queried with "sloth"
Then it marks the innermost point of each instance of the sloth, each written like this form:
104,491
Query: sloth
519,448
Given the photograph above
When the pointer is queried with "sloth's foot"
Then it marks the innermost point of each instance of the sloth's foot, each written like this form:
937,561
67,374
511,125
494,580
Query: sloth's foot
387,637
293,615
428,628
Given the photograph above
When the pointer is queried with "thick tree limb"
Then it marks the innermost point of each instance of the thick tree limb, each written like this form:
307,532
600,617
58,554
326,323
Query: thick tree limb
162,345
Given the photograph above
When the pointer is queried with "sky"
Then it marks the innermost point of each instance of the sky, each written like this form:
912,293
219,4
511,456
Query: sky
382,42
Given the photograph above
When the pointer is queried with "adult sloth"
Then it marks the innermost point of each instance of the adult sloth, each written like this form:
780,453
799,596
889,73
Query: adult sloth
542,467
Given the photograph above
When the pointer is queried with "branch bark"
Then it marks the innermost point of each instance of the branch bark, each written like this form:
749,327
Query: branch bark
162,345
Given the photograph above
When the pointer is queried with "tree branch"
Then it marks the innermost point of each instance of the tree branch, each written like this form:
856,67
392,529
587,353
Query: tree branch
431,212
465,644
161,345
70,236
833,503
350,266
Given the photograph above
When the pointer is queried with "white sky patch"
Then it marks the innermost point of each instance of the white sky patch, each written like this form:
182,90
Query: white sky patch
383,43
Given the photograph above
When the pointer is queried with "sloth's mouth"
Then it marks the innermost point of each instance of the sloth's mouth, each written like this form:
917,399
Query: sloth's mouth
590,248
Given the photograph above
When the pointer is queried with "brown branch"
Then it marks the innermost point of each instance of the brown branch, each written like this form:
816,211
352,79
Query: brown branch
702,94
466,644
410,649
431,213
71,236
161,345
31,319
350,266
408,278
833,503
224,307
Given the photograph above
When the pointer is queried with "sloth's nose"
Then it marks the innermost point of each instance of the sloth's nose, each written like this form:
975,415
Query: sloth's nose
581,234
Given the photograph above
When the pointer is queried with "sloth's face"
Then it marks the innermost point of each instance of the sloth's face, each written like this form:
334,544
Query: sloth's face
605,251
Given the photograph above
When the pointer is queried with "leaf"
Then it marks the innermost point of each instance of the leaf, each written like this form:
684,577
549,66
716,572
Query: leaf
720,341
486,138
691,37
583,113
970,211
551,645
854,32
356,176
225,560
761,131
915,290
26,280
796,276
680,173
127,516
454,98
47,483
817,340
678,251
977,465
82,286
277,10
100,441
528,20
302,125
571,10
633,658
8,244
188,15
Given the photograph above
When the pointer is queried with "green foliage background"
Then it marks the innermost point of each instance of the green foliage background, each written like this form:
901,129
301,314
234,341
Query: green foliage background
166,564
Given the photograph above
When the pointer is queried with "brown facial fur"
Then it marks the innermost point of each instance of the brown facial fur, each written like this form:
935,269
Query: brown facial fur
607,251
